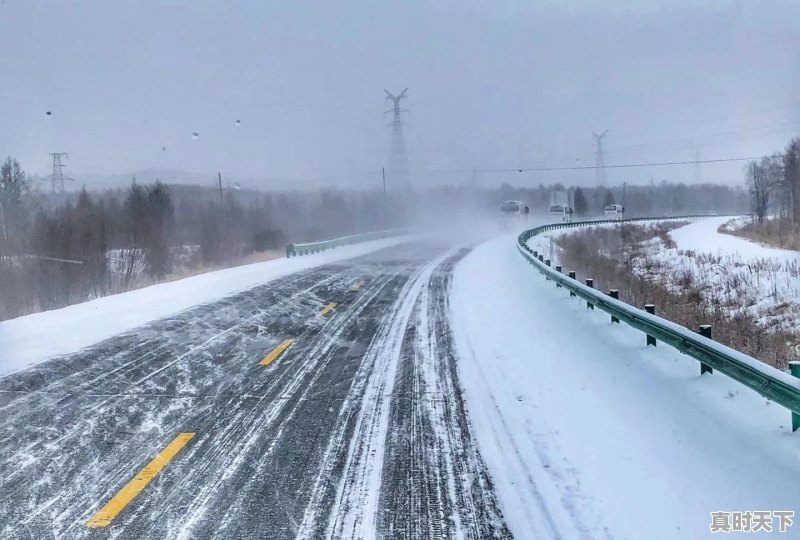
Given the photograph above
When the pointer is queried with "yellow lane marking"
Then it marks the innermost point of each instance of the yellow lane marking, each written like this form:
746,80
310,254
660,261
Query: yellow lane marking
139,482
276,352
327,309
357,285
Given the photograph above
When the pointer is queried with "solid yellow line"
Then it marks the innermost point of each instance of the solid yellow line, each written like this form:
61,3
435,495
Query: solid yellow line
276,352
327,309
139,482
357,286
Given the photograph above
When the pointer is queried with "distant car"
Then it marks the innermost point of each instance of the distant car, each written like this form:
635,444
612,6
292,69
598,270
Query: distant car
614,211
563,211
513,206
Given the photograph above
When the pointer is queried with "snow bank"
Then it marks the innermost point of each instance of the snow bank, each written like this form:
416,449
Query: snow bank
31,339
578,421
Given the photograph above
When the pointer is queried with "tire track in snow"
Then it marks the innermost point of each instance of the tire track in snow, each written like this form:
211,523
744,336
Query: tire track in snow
354,511
234,448
435,482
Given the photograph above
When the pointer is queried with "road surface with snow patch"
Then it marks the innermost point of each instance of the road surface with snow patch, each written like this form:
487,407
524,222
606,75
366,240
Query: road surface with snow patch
358,429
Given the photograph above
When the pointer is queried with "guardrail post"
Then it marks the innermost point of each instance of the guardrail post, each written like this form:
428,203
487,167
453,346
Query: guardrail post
558,269
541,258
794,368
590,284
535,254
614,293
651,309
705,331
289,250
547,262
572,276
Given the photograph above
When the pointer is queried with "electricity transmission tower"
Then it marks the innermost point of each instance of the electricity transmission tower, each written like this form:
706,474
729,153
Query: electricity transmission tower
398,160
600,166
57,178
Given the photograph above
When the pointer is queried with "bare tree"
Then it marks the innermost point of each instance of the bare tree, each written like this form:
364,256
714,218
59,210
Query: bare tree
791,177
764,178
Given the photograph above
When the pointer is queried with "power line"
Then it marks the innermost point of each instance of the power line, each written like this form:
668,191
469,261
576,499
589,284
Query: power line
678,144
552,168
592,167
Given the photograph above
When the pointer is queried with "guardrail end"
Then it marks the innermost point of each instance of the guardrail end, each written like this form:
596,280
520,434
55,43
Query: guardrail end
651,309
614,293
794,368
705,331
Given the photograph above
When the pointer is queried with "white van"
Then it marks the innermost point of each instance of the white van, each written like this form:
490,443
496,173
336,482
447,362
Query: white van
563,211
614,211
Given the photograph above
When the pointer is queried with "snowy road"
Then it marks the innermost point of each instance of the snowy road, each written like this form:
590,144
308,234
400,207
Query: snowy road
358,429
428,392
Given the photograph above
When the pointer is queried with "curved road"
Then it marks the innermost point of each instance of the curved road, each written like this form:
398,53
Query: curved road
357,429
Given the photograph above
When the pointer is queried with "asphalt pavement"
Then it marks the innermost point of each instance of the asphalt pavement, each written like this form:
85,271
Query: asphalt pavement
325,404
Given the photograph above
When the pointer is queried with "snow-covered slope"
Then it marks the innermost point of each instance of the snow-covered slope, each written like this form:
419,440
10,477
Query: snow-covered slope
590,434
31,339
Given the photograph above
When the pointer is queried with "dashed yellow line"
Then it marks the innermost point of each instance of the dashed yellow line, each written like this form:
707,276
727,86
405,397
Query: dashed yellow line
327,309
124,496
357,286
276,352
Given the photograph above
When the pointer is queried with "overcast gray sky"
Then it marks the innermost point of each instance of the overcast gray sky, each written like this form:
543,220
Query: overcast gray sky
493,84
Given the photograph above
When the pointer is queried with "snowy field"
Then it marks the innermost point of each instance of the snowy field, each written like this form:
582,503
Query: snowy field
588,433
736,273
28,340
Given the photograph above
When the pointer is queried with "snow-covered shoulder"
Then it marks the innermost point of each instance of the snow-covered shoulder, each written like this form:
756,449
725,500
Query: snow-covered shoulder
587,432
32,339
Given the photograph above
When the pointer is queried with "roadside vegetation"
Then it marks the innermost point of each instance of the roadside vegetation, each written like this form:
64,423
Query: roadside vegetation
750,304
778,233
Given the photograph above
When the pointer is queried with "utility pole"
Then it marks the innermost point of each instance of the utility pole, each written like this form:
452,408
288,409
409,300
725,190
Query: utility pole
600,166
624,185
383,175
5,228
698,172
398,160
226,219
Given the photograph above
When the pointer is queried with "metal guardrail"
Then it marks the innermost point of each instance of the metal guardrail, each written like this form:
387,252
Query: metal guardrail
770,382
293,250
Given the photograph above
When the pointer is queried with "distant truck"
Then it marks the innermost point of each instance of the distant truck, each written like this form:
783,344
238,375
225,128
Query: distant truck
614,211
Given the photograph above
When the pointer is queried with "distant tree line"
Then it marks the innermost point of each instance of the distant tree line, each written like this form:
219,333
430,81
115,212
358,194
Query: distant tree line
56,250
653,199
59,250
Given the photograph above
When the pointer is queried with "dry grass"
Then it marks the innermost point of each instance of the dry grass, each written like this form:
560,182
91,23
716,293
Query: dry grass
617,258
779,233
196,270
